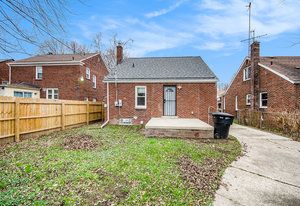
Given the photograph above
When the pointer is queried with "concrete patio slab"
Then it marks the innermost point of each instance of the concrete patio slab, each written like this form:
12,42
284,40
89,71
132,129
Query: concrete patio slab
178,127
177,123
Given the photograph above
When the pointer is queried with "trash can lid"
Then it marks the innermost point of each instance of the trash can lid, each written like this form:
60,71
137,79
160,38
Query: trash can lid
222,114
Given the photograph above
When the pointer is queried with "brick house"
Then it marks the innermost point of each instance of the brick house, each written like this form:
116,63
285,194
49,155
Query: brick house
4,70
142,88
63,76
269,84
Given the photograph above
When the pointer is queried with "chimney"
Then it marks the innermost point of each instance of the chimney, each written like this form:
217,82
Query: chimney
255,89
119,53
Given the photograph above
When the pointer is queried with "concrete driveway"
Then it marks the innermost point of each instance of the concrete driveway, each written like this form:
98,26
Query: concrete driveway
267,174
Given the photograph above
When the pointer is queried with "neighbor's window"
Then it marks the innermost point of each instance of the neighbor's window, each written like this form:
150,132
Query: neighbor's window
263,100
248,99
94,81
140,97
52,93
247,73
22,94
88,73
39,72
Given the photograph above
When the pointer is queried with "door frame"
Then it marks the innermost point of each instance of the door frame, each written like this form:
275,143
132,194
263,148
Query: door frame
175,99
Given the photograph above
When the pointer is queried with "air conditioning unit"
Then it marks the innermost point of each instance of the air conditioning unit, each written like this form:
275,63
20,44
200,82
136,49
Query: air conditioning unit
125,121
4,82
118,103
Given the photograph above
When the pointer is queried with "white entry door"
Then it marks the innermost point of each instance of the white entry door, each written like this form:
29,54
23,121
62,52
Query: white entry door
169,100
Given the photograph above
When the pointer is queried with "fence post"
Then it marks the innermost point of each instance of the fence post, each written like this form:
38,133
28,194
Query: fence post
17,120
87,112
63,111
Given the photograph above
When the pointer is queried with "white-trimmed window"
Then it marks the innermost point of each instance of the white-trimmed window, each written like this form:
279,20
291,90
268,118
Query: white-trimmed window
224,103
140,97
88,73
38,72
263,100
247,74
52,93
248,99
22,94
236,103
94,82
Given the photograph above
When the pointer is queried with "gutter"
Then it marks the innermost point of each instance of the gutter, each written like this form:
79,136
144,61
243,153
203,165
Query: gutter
107,101
162,81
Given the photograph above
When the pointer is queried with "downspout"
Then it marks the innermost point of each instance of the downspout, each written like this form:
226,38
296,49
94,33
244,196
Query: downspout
107,102
9,74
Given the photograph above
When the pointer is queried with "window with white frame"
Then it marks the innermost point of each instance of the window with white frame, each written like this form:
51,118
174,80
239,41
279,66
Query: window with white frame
236,103
248,99
247,73
263,100
22,94
140,97
94,82
52,93
38,72
88,73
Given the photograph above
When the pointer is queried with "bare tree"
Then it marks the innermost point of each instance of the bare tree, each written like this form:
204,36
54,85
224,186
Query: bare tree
77,48
109,54
26,21
56,47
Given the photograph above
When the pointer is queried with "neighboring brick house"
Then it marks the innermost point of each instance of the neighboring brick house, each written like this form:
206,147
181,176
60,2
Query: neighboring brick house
142,88
270,84
4,70
63,76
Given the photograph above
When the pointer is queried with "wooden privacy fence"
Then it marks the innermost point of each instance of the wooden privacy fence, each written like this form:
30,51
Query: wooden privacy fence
30,117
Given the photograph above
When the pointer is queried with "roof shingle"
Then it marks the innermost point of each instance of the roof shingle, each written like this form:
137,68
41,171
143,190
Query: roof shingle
156,68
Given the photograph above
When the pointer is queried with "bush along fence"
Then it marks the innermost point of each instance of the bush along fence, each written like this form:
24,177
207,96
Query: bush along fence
22,118
285,122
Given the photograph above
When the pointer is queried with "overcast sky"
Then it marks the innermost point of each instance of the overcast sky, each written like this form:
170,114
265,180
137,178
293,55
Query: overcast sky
208,28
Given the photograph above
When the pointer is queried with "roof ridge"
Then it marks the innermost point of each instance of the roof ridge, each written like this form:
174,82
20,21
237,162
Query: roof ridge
164,57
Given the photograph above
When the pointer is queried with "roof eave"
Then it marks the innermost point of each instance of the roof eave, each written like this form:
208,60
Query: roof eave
46,63
212,80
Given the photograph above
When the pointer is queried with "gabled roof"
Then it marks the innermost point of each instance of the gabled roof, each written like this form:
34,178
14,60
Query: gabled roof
159,69
288,67
22,85
54,59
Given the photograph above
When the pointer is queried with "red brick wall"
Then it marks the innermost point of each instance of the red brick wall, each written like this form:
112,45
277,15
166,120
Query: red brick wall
4,71
282,95
66,79
97,68
193,101
238,88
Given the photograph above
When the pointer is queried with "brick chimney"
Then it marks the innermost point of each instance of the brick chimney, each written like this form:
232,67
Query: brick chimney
119,53
254,58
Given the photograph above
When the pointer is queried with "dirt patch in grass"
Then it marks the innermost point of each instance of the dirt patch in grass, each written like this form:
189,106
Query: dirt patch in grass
80,142
204,177
114,192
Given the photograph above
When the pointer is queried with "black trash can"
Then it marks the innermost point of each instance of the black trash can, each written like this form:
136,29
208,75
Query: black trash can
222,122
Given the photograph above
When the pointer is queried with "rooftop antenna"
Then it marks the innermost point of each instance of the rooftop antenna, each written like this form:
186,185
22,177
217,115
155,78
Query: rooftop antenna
249,31
251,38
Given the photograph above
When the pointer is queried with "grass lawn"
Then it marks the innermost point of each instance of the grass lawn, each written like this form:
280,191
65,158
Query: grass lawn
115,166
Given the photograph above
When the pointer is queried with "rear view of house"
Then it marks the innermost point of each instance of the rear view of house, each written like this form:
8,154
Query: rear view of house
63,76
142,88
268,84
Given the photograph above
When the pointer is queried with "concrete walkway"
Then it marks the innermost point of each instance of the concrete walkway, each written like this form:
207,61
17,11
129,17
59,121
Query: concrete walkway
267,174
